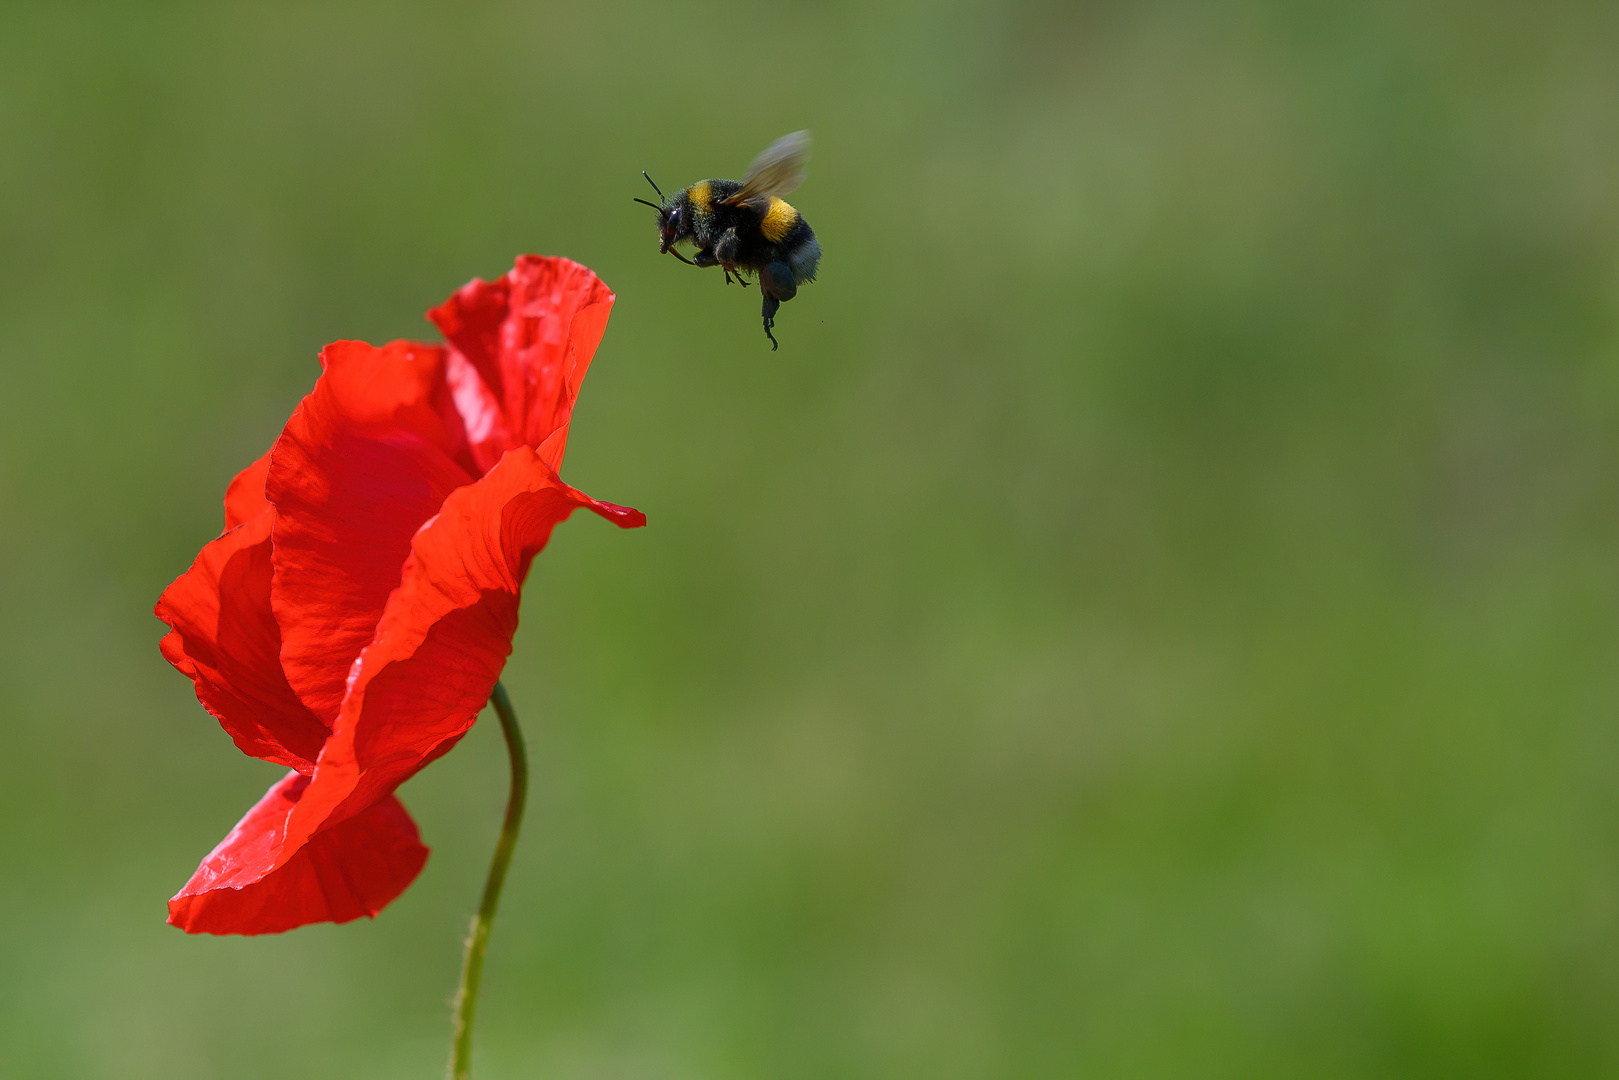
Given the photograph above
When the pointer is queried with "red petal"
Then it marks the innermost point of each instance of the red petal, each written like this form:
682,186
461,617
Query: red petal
355,868
472,319
487,431
244,498
362,463
444,637
530,336
226,639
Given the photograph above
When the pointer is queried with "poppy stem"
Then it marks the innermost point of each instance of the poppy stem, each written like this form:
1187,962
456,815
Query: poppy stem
466,997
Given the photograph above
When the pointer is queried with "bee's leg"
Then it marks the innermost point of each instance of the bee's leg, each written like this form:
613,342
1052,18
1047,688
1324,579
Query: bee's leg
725,249
704,257
770,306
777,280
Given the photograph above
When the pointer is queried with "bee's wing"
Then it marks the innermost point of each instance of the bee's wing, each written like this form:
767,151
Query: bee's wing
776,171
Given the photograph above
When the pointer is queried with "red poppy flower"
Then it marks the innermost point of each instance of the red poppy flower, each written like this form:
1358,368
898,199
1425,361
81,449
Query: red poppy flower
352,619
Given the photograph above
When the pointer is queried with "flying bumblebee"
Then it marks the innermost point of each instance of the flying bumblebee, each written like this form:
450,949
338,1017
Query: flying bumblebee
746,225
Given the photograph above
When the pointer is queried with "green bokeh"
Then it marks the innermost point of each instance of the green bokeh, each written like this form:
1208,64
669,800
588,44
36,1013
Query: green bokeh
1156,616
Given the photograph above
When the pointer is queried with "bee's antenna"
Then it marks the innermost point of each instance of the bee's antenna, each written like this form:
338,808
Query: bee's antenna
643,202
655,187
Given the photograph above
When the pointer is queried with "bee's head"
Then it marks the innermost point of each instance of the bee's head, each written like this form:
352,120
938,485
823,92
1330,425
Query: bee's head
674,216
674,221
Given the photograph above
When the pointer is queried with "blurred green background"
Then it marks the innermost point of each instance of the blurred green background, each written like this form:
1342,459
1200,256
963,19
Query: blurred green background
1156,616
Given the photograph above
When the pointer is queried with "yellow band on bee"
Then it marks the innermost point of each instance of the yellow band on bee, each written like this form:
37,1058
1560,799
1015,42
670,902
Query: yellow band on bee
699,195
778,220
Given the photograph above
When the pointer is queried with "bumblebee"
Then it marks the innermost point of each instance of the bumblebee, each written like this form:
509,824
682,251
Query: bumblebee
746,225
